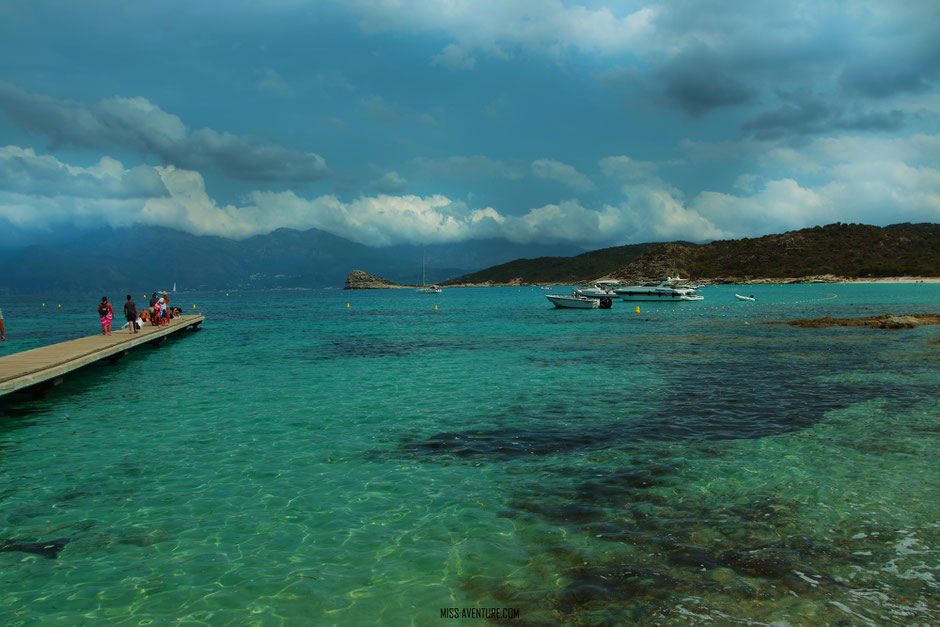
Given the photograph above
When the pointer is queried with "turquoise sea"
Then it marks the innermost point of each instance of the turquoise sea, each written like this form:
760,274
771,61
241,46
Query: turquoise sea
298,460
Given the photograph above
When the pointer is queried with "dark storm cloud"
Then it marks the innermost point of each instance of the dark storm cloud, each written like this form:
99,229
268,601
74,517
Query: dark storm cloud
136,124
885,75
735,53
697,85
802,114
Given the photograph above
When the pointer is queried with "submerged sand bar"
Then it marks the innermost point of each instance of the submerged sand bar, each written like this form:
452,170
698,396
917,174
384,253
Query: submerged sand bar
46,365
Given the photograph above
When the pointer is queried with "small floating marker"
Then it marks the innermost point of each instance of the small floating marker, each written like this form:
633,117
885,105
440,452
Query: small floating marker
638,309
44,304
435,307
60,305
226,293
194,306
347,305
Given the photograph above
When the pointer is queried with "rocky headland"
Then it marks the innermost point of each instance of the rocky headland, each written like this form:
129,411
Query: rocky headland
359,280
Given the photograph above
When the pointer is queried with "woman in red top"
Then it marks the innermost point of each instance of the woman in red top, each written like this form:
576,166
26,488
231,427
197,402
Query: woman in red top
107,315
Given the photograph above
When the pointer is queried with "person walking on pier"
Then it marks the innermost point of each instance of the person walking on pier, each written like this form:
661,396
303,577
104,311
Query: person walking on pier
107,315
130,312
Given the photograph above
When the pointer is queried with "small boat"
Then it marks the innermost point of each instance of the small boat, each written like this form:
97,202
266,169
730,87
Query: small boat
739,297
573,302
600,290
426,289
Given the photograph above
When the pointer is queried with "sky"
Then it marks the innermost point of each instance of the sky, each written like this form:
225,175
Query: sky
396,121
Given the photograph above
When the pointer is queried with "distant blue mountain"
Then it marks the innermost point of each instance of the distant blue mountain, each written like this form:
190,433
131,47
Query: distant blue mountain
147,258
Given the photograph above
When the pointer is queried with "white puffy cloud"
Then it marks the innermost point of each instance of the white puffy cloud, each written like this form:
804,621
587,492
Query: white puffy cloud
656,211
852,179
495,26
453,57
563,173
625,169
272,81
845,184
389,183
23,171
64,196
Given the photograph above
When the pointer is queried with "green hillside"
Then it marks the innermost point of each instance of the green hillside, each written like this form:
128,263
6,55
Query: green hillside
846,250
557,269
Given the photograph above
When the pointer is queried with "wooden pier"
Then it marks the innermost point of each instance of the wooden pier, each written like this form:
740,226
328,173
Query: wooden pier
44,367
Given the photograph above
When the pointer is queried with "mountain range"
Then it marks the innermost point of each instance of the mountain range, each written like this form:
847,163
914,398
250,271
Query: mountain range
146,258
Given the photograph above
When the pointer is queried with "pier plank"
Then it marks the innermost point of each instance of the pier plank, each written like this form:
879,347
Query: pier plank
49,363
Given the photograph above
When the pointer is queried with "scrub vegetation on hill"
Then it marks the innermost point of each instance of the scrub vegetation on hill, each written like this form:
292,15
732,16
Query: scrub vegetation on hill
844,250
557,269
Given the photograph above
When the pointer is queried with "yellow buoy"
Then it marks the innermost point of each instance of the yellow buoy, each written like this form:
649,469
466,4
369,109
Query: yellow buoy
638,309
194,306
347,305
435,307
44,304
60,305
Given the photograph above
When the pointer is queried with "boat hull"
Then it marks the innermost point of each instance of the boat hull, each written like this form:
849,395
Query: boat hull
572,302
593,292
669,296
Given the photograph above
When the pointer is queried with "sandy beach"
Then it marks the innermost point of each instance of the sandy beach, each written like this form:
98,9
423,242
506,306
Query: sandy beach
898,279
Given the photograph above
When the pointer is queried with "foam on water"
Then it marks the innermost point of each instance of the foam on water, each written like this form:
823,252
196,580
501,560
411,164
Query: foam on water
296,460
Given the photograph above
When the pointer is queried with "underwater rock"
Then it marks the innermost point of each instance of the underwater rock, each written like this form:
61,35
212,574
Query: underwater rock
884,321
46,549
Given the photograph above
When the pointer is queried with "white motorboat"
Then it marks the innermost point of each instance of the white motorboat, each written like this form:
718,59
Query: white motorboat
601,290
573,302
666,290
739,297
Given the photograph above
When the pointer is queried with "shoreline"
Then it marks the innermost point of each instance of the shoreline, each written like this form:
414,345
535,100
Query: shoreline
900,279
826,279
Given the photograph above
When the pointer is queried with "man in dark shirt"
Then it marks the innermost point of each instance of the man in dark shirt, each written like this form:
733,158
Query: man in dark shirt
130,312
153,309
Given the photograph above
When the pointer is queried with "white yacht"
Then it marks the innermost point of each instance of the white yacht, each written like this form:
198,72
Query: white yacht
667,290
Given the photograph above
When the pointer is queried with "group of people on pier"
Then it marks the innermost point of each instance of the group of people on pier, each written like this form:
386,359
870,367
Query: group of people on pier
157,313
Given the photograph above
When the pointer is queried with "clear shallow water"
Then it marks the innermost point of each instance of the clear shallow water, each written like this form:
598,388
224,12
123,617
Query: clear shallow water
297,460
